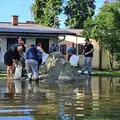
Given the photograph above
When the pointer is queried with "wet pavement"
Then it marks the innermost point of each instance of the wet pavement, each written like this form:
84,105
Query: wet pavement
96,98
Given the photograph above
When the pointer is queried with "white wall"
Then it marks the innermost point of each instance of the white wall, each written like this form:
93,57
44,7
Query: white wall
3,45
30,40
74,39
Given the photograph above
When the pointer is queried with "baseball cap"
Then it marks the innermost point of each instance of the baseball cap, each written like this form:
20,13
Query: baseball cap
87,39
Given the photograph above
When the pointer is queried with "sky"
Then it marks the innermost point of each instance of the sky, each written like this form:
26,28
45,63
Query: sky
22,9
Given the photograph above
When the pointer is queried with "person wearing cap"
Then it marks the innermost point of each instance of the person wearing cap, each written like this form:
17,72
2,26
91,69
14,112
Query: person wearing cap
11,57
71,51
88,56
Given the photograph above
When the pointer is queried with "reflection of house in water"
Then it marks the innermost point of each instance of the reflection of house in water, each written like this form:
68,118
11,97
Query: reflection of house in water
12,102
2,89
92,96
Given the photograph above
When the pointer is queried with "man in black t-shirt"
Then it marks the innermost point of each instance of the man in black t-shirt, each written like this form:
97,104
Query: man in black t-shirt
88,55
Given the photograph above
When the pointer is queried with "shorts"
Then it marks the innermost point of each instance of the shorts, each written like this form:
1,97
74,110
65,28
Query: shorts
8,63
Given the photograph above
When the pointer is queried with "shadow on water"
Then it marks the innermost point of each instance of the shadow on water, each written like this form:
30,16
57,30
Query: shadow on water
94,98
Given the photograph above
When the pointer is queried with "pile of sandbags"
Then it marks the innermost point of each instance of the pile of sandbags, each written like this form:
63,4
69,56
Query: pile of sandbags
58,68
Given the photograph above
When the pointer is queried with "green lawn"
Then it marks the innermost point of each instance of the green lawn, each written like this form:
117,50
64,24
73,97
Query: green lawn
104,73
95,73
3,75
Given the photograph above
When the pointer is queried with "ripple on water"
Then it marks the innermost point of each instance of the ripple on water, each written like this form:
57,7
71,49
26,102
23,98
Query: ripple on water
96,98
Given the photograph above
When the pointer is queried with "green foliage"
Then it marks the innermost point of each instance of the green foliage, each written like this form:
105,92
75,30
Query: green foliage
46,12
78,11
106,27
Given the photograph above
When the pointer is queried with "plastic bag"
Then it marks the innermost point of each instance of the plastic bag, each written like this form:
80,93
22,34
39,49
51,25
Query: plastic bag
18,72
74,59
44,58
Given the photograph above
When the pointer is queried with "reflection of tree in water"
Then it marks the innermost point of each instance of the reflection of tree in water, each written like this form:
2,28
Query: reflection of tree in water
109,102
111,85
72,103
114,85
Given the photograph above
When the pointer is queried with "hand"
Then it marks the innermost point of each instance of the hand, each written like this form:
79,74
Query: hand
15,63
80,55
86,54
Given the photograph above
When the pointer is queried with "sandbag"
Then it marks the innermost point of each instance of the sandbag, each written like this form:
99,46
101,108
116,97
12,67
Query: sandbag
74,59
18,72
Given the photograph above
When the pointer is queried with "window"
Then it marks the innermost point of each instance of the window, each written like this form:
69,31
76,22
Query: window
44,42
12,41
63,49
80,49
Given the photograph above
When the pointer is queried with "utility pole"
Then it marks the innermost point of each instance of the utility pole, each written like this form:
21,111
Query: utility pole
55,21
31,14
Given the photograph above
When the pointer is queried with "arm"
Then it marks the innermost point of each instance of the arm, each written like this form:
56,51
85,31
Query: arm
68,51
39,54
89,51
42,50
83,51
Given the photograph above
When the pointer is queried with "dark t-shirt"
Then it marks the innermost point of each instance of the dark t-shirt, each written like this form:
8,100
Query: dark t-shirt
88,48
32,53
71,50
10,55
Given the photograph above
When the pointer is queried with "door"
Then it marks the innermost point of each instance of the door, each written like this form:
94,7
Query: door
44,42
12,41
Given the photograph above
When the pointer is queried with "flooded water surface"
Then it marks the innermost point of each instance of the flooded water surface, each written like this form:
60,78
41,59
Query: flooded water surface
95,98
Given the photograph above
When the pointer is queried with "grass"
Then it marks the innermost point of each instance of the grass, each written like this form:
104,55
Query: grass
104,73
3,75
95,73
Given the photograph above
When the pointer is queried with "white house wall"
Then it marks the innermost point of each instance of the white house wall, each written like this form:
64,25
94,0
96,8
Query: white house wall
74,39
30,40
3,45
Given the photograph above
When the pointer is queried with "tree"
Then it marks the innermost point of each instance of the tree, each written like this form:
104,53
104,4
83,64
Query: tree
77,12
46,12
105,27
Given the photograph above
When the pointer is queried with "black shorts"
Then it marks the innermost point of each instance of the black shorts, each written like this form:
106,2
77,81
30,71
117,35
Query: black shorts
8,63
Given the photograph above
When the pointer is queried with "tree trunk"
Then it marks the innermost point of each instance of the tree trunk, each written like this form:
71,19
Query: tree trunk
111,61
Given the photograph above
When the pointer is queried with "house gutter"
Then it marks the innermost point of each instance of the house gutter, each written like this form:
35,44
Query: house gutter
33,34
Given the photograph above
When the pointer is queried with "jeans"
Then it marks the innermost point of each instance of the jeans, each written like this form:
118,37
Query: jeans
32,68
87,63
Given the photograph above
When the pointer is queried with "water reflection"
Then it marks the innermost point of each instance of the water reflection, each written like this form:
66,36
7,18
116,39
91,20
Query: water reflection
95,98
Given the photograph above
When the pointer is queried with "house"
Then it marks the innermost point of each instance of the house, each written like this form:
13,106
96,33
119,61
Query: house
101,56
31,34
